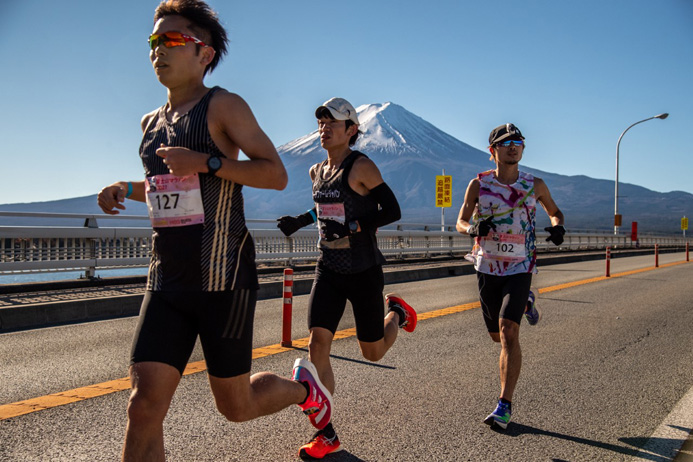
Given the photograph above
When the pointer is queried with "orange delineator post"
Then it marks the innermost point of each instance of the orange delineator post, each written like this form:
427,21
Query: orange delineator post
287,306
608,262
656,255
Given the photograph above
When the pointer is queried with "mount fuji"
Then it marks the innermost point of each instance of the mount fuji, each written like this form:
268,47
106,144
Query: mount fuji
410,152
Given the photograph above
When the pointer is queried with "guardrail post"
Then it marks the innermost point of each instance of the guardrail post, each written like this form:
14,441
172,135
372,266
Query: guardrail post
608,262
287,306
90,272
656,255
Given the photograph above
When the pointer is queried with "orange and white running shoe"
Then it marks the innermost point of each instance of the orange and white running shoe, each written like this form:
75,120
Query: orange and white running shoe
397,304
319,446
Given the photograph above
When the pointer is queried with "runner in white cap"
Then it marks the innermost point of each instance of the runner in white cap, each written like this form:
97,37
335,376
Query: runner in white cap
503,203
351,202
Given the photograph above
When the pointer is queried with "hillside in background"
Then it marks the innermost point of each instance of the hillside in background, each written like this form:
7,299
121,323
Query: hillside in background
410,152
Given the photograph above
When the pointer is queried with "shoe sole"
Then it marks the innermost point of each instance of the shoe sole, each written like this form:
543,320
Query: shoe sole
303,454
300,362
410,325
535,291
493,423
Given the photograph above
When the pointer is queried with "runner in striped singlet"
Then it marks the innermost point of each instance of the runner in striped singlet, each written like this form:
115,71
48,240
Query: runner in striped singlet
503,203
202,278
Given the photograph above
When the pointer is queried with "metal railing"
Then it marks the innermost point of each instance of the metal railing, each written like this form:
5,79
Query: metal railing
88,248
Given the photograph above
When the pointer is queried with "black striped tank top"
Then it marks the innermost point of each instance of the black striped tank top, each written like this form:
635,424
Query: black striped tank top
216,255
335,200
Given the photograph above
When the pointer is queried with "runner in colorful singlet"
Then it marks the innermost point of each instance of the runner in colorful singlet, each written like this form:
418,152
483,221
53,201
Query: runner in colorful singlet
351,202
510,249
503,204
202,280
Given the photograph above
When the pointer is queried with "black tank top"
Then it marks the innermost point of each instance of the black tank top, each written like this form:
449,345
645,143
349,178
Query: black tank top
217,255
335,200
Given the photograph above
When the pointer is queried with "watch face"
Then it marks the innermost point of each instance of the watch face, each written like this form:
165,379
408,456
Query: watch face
214,163
353,226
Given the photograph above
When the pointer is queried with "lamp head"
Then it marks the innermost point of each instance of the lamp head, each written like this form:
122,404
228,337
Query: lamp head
662,116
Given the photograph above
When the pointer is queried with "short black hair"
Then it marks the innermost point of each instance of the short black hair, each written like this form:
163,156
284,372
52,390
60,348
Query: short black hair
324,112
204,22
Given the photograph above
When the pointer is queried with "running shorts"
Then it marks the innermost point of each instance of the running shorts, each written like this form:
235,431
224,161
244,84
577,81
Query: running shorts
364,290
503,297
170,323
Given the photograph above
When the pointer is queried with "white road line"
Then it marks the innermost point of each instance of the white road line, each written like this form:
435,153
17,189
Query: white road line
671,434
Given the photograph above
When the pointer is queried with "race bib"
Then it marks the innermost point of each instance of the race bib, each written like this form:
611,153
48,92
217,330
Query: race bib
174,200
504,247
332,212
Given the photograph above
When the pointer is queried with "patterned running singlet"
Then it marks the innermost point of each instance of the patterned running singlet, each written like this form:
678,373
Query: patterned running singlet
216,253
335,200
510,249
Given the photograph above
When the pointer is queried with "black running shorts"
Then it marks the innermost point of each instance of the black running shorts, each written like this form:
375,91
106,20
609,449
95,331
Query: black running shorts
503,297
170,323
364,290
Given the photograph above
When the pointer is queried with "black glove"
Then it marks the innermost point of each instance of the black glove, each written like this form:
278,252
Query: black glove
555,234
332,230
482,228
289,225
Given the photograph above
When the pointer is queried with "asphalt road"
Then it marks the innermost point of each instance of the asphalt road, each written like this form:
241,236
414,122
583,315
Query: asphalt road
608,363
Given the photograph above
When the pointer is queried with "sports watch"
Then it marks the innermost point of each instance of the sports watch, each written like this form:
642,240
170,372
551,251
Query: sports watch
353,226
213,164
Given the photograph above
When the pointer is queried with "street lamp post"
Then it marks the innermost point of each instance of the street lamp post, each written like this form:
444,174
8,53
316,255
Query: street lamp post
617,221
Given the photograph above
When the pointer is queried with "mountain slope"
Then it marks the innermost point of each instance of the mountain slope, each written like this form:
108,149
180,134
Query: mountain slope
410,152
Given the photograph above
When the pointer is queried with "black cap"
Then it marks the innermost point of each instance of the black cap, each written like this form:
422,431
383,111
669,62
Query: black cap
504,132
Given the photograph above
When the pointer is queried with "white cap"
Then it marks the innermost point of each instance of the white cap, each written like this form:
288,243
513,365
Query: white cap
340,109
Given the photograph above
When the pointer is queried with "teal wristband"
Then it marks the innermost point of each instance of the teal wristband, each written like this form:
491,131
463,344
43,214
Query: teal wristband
129,193
312,214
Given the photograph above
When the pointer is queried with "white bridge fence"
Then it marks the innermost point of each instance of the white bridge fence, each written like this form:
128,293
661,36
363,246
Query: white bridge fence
90,247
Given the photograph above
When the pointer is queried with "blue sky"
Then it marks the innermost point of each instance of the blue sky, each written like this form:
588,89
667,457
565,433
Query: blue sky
76,80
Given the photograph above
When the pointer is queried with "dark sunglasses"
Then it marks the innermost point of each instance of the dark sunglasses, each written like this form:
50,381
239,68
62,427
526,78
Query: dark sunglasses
508,143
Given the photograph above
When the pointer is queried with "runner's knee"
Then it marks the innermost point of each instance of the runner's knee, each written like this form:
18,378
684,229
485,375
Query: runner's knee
509,332
235,410
372,351
146,407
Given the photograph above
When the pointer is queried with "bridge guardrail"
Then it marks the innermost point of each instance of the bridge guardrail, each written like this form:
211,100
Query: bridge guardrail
88,248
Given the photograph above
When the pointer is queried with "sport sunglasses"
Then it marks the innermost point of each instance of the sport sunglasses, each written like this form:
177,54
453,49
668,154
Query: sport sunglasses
172,39
508,143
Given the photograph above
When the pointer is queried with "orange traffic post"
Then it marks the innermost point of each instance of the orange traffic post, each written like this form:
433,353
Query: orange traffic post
287,306
608,262
656,255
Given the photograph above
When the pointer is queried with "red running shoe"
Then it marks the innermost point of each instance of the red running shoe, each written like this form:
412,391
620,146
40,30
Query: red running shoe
409,321
319,447
318,405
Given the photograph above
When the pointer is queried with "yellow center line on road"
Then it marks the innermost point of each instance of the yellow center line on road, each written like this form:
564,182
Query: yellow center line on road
7,411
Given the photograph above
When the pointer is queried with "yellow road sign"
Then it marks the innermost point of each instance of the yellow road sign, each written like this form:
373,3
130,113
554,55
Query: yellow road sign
443,191
684,223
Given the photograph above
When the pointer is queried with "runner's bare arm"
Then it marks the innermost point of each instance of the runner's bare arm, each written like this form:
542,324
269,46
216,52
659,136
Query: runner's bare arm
471,198
110,199
365,179
233,128
364,176
543,196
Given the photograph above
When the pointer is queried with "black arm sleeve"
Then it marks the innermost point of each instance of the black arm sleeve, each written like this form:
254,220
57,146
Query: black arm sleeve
389,208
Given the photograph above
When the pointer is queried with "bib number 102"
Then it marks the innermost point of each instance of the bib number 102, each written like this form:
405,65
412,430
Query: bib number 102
167,201
505,247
